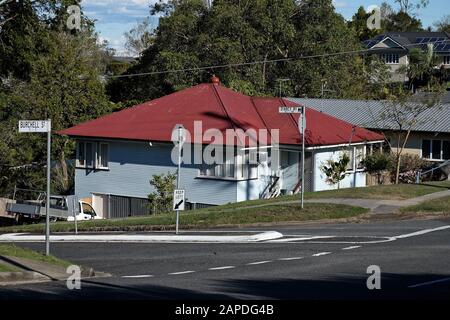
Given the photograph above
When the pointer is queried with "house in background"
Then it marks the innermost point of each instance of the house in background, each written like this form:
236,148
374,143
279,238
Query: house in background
430,138
394,49
118,154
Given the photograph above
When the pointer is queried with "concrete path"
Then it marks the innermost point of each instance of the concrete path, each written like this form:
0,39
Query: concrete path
377,206
384,206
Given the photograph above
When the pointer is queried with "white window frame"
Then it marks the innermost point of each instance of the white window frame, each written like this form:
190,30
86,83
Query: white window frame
85,149
446,60
431,158
390,58
95,164
98,164
360,157
243,170
77,162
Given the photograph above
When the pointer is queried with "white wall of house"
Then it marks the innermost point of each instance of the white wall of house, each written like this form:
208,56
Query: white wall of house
354,178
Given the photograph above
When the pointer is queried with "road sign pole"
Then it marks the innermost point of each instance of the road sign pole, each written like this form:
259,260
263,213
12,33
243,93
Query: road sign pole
178,173
303,121
47,204
75,211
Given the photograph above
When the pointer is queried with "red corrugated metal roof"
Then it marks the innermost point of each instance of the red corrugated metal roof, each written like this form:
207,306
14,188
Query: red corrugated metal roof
218,108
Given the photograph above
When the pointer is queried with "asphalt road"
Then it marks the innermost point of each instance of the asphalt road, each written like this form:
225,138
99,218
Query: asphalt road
413,266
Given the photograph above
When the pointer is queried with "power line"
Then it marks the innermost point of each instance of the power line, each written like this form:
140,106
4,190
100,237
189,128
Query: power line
231,65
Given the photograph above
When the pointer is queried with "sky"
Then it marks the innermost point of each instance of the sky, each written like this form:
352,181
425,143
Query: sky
115,17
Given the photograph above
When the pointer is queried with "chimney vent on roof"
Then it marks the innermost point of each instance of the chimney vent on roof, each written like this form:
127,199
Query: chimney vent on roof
215,80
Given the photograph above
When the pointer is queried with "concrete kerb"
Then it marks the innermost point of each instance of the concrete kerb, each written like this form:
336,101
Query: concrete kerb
21,277
143,238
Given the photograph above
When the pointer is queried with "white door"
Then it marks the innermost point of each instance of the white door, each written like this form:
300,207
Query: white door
100,204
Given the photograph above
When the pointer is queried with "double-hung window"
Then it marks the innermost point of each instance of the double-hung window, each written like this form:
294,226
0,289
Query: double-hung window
92,155
240,166
102,156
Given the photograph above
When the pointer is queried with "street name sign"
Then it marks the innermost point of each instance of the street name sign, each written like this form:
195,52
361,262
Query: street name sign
290,110
179,200
34,126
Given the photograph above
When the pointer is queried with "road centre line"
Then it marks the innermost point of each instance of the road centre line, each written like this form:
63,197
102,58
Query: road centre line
139,276
429,283
182,272
257,263
351,248
290,259
321,254
222,268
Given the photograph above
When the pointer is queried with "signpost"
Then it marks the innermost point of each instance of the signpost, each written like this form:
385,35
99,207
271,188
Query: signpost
179,138
179,200
301,129
32,126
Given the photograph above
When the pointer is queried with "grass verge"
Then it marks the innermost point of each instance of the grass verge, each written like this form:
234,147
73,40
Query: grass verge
383,192
19,252
5,268
388,192
436,206
206,218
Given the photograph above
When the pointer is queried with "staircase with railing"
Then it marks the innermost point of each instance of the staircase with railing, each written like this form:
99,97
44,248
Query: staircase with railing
272,189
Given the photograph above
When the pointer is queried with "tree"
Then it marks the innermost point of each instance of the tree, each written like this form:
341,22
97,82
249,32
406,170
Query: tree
404,114
161,199
61,81
359,25
139,38
402,22
410,6
247,33
377,163
443,25
336,170
421,70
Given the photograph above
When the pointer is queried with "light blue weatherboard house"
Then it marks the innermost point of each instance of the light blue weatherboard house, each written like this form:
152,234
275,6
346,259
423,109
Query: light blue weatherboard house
118,154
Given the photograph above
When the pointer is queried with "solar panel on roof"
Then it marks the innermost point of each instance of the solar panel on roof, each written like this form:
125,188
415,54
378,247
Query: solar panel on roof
433,39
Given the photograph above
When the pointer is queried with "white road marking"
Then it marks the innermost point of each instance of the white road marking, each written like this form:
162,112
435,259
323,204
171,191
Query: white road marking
222,268
301,239
182,272
290,259
421,232
139,276
351,248
259,262
428,283
321,254
144,238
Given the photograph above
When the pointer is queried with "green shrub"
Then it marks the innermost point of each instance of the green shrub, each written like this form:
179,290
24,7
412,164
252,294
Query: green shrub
161,200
